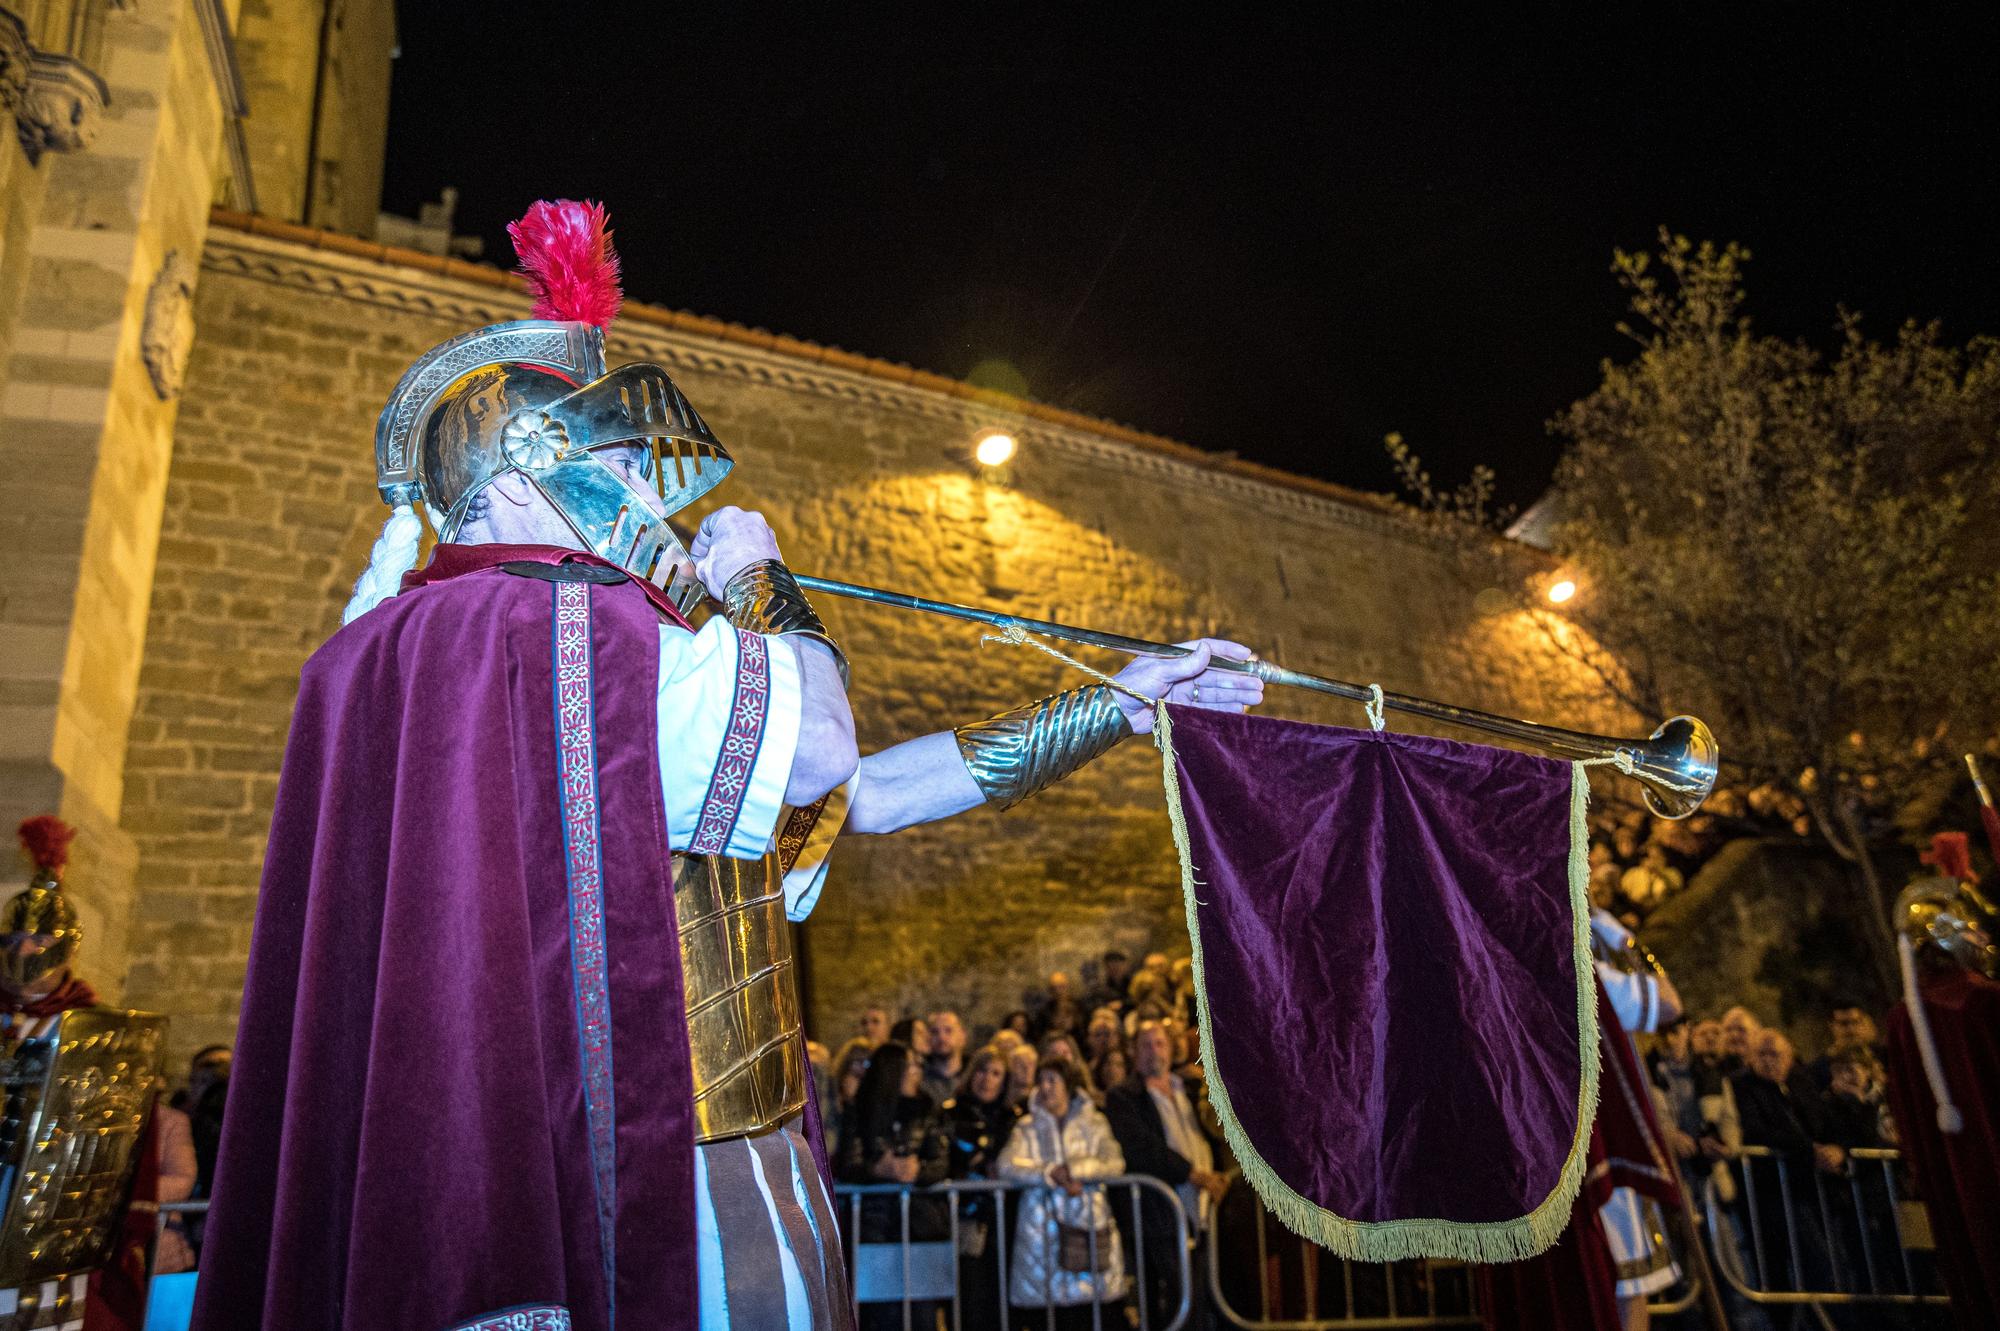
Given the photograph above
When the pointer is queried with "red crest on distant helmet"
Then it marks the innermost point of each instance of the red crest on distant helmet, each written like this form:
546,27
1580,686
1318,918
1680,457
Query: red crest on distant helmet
42,912
46,839
1951,855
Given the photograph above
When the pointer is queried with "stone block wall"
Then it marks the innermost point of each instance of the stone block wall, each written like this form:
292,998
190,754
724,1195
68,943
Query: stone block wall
270,512
86,432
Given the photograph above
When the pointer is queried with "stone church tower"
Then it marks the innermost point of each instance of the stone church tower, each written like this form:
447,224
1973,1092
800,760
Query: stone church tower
128,120
196,335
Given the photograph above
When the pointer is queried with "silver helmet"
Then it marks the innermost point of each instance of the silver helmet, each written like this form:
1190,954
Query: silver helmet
533,397
39,928
1952,916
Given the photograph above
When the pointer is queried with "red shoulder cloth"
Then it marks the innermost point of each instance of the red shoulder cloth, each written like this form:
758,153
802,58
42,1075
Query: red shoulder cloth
72,992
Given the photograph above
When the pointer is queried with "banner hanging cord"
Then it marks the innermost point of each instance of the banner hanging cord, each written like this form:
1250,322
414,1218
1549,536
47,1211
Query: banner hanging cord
1016,634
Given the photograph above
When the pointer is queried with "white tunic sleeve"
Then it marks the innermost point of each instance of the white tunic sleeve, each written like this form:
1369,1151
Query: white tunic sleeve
1634,998
729,710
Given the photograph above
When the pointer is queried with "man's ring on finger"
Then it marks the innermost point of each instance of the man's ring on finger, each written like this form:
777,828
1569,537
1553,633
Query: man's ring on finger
1196,695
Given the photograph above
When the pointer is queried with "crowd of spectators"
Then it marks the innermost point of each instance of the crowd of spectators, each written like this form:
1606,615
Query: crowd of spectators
1088,1085
1108,1080
189,1128
1730,1082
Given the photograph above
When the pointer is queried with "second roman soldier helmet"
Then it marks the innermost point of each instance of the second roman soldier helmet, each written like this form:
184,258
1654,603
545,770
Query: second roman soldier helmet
39,929
533,397
1947,912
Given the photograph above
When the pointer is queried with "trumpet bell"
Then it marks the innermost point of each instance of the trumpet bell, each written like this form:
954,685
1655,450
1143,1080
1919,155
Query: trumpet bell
1677,766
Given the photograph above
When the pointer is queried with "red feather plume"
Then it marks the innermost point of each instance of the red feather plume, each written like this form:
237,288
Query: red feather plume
1951,855
47,839
566,255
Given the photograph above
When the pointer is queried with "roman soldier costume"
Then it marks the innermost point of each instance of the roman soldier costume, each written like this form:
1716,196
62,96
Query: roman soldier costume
476,1087
75,1147
41,933
1944,1073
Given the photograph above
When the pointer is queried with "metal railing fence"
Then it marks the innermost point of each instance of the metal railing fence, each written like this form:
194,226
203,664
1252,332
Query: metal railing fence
1857,1224
1296,1285
924,1278
1858,1239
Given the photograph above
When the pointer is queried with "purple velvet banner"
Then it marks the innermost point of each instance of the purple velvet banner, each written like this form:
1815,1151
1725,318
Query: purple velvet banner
1397,1006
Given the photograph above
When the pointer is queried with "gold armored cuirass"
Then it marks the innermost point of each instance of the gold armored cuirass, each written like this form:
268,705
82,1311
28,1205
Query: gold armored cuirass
742,995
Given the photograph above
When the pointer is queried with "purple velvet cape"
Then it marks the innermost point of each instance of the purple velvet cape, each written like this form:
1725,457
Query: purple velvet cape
406,1144
1397,1008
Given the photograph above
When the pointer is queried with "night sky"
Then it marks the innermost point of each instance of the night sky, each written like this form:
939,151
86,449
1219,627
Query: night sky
1279,235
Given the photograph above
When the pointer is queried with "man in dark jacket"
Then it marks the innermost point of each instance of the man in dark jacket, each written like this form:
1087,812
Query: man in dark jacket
1160,1132
1851,1031
1779,1111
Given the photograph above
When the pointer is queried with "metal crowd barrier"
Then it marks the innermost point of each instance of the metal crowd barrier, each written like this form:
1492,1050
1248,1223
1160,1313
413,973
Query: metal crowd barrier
170,1297
1846,1231
1747,1244
930,1272
1301,1286
919,1275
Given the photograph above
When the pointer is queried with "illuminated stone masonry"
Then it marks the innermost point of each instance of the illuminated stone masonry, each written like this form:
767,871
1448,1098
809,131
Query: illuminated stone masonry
105,186
270,509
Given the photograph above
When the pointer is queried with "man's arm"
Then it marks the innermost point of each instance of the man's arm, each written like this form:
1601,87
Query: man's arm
927,778
827,755
918,781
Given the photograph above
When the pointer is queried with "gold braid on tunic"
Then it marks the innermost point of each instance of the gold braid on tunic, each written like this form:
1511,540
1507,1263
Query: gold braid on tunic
765,598
1017,753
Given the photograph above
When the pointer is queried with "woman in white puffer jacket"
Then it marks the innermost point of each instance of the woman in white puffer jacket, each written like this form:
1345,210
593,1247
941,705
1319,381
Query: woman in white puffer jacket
1063,1144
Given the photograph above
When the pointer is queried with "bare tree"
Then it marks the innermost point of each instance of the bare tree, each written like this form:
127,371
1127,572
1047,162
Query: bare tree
1800,545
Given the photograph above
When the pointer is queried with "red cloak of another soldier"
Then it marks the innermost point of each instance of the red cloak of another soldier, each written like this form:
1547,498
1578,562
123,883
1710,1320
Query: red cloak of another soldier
1959,1172
461,1095
1573,1286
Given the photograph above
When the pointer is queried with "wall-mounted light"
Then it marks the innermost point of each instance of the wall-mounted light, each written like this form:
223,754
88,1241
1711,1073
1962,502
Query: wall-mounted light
994,449
1562,591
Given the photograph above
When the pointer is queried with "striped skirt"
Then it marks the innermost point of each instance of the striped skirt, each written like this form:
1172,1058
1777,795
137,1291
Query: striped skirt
769,1249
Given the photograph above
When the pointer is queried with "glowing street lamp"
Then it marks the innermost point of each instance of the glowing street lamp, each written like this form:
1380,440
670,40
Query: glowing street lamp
994,449
1562,591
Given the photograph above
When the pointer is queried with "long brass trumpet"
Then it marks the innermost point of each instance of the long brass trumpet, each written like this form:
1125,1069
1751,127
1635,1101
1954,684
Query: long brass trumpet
1675,765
